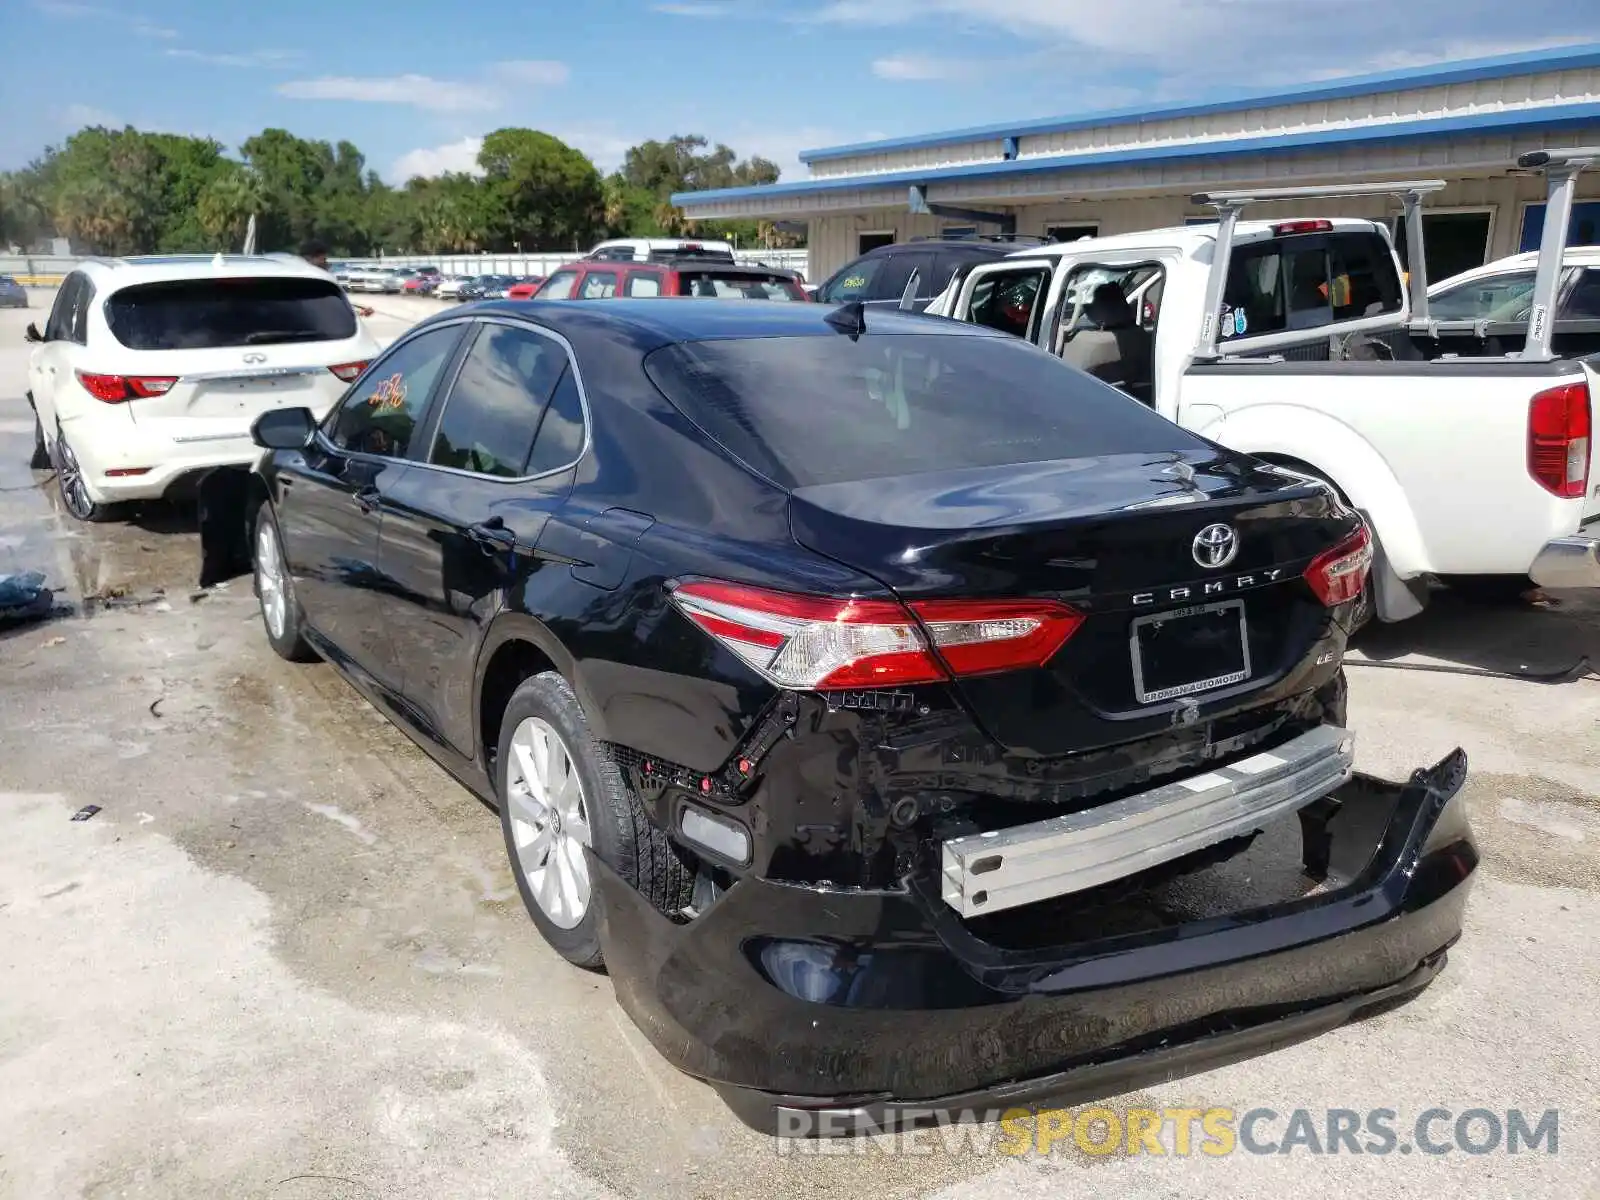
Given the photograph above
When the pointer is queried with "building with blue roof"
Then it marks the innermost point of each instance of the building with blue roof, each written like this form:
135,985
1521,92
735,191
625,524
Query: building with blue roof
1131,169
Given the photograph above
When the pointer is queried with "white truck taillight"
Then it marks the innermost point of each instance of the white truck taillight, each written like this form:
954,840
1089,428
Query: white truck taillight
1338,575
1558,440
814,642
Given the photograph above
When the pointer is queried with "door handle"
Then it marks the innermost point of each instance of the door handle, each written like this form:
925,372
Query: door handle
366,499
492,536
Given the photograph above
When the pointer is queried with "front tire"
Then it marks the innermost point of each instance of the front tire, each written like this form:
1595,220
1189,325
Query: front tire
564,803
280,611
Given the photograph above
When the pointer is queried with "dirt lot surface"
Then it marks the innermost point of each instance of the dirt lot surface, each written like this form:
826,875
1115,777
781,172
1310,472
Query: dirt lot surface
286,959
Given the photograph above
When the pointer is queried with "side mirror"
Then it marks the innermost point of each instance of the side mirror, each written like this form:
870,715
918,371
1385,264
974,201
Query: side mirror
283,429
32,334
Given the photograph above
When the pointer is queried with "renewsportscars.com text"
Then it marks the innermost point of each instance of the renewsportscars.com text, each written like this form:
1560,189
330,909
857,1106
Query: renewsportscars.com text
1185,1132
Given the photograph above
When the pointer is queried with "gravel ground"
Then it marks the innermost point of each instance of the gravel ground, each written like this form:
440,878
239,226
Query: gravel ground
286,959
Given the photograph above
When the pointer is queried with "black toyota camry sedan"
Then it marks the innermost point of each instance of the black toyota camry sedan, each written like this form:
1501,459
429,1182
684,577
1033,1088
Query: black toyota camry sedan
831,673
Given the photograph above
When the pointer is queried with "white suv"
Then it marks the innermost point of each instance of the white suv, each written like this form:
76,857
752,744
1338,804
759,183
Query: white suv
150,371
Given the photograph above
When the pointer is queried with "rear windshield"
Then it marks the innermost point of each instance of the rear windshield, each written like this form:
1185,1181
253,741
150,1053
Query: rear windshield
1308,282
203,314
730,285
823,409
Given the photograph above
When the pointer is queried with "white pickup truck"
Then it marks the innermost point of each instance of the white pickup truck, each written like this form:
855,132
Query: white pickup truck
1301,342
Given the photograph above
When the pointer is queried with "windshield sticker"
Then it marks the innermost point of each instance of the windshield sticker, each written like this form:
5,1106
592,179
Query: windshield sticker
1239,322
1227,326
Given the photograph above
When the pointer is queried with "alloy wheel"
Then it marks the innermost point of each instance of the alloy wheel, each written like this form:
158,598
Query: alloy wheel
270,582
74,491
549,822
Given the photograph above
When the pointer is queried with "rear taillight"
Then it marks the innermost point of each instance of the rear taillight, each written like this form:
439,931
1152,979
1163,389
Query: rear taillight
348,371
812,643
1338,575
1558,440
114,389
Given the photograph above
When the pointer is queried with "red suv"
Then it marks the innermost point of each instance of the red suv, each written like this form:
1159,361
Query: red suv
599,279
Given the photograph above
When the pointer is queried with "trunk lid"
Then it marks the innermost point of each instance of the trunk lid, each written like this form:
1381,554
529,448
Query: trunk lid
1115,537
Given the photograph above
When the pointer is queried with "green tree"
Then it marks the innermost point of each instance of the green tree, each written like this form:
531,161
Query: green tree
225,206
688,163
540,193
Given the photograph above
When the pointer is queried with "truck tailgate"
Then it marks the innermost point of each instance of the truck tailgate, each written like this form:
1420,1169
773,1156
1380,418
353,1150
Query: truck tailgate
1437,454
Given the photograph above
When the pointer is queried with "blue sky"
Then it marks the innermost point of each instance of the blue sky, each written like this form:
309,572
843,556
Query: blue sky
414,83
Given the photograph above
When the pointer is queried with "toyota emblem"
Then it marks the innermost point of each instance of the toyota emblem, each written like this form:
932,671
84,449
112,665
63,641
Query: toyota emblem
1215,546
255,358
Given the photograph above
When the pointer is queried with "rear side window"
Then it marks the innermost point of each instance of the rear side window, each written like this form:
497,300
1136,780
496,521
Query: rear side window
204,314
598,285
561,432
1584,302
499,396
725,285
823,409
642,283
1491,298
1007,300
558,286
1308,282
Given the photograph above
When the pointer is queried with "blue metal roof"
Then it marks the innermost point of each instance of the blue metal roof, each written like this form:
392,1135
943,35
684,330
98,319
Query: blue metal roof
1554,117
1558,58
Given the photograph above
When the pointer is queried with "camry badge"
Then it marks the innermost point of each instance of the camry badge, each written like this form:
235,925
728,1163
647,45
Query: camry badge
1215,546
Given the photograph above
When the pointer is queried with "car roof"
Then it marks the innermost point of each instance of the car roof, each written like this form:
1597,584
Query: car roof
689,262
1575,256
159,268
648,324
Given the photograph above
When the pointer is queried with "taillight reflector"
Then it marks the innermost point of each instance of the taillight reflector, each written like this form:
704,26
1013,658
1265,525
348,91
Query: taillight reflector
1338,575
816,643
1284,228
114,389
349,371
1558,440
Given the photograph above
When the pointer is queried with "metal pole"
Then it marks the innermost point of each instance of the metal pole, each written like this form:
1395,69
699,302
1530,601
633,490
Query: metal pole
1416,259
1227,217
1552,250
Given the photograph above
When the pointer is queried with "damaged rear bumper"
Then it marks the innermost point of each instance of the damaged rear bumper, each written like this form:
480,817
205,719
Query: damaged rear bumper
823,1010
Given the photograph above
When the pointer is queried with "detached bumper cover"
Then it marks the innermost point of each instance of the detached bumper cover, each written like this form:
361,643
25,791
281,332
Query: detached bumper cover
859,1003
1568,562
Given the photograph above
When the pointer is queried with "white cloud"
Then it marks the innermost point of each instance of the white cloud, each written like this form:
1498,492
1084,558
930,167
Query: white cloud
428,161
254,58
695,10
419,91
77,116
920,67
145,29
536,71
141,26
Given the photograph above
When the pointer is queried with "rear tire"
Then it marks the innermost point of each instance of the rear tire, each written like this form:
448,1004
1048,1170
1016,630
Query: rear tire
563,803
76,497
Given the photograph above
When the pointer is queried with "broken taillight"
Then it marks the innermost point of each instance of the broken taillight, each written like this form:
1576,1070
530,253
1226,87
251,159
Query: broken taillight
1558,440
114,389
813,642
1338,575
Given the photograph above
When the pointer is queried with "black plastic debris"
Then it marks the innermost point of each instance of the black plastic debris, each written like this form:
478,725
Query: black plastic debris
23,597
87,811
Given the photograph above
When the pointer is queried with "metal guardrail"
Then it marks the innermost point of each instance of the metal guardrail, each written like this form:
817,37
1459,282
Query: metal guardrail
46,270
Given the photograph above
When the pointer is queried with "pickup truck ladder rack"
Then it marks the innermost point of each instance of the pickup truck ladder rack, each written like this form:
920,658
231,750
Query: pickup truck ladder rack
1561,169
1230,204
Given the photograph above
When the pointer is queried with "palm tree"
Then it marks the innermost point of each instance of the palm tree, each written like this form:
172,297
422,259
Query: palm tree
227,203
94,214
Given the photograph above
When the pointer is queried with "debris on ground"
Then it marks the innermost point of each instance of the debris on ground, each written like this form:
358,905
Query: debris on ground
24,597
87,811
56,641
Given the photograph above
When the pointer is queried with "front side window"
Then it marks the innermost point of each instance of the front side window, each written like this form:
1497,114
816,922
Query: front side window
598,285
207,314
852,283
380,413
494,408
1489,298
1008,300
558,286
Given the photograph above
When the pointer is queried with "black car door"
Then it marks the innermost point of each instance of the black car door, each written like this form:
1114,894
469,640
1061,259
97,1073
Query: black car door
329,505
460,527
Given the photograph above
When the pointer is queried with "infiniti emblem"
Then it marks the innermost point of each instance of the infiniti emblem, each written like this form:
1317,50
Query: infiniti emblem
255,358
1215,546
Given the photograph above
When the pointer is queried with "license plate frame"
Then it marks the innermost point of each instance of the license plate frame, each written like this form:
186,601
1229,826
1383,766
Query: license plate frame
1178,691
